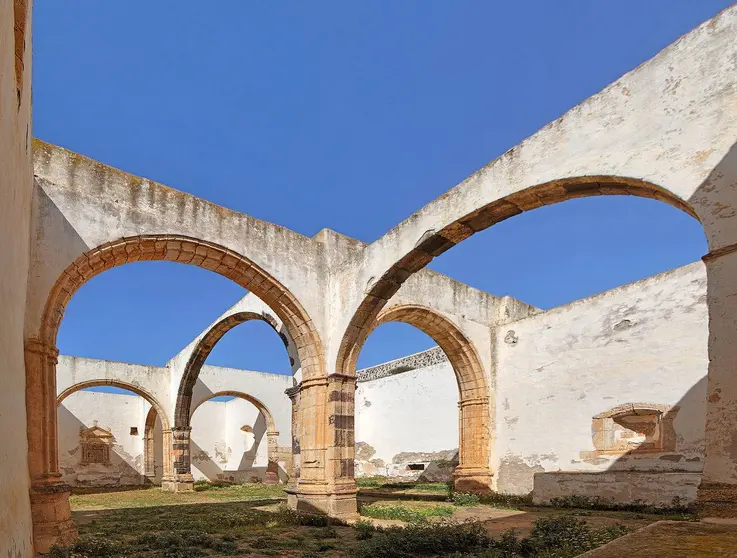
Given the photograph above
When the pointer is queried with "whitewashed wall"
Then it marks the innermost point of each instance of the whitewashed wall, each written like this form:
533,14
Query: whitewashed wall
644,342
208,447
15,215
406,418
114,412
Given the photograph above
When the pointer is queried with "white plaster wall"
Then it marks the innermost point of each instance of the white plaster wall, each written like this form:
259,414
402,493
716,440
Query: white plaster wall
153,380
209,449
415,411
248,452
644,342
114,412
15,214
267,388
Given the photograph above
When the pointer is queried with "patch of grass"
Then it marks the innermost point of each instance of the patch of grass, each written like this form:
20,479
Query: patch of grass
676,507
505,501
465,499
405,512
204,492
369,482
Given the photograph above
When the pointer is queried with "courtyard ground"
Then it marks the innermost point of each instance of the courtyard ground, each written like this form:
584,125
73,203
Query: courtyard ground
397,522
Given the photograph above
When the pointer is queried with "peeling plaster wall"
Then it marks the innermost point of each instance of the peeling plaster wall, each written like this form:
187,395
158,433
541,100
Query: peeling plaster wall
221,450
400,417
15,215
114,412
248,457
209,450
644,342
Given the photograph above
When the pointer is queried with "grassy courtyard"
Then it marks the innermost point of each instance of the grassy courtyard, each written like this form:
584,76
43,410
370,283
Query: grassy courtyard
400,521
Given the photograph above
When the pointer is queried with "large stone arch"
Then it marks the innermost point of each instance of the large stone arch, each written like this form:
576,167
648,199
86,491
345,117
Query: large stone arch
183,410
433,243
48,495
666,130
272,432
475,437
200,353
156,410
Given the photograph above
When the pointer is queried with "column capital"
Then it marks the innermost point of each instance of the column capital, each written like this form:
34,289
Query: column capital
293,391
473,401
35,345
719,252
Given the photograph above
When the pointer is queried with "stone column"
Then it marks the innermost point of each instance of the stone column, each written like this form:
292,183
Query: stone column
179,477
341,451
49,495
717,495
473,473
272,452
149,471
293,463
310,492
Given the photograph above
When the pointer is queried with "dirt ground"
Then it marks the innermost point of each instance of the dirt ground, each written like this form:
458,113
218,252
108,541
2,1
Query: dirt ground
674,539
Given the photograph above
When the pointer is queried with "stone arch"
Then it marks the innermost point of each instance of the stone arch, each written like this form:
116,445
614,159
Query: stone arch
48,496
451,230
272,433
473,472
156,409
203,349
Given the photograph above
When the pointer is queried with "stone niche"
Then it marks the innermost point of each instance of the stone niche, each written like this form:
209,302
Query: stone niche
95,443
634,428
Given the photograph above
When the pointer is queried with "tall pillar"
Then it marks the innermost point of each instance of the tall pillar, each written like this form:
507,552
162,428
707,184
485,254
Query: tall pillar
49,495
717,496
149,471
473,473
272,452
341,449
293,465
179,476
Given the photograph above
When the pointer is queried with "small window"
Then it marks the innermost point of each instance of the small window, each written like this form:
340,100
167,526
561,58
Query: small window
134,431
416,467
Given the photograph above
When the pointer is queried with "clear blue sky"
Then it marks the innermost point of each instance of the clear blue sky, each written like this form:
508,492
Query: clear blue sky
344,115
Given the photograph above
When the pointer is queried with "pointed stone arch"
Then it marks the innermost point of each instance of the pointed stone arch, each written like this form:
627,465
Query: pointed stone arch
474,449
49,496
156,410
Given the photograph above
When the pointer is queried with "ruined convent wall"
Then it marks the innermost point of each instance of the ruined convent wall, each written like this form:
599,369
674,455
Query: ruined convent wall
645,345
221,449
407,419
116,413
15,214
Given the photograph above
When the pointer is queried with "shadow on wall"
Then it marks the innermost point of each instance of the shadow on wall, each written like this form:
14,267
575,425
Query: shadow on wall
643,451
659,467
111,467
246,471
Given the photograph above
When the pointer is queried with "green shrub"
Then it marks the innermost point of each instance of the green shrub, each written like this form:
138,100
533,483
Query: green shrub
640,506
465,499
558,537
423,540
365,529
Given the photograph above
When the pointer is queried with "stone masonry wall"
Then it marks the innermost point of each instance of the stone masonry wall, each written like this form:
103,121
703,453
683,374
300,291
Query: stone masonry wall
15,214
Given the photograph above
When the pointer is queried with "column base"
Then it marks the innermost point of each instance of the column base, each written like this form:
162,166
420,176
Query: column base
338,501
52,516
472,479
180,483
717,500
